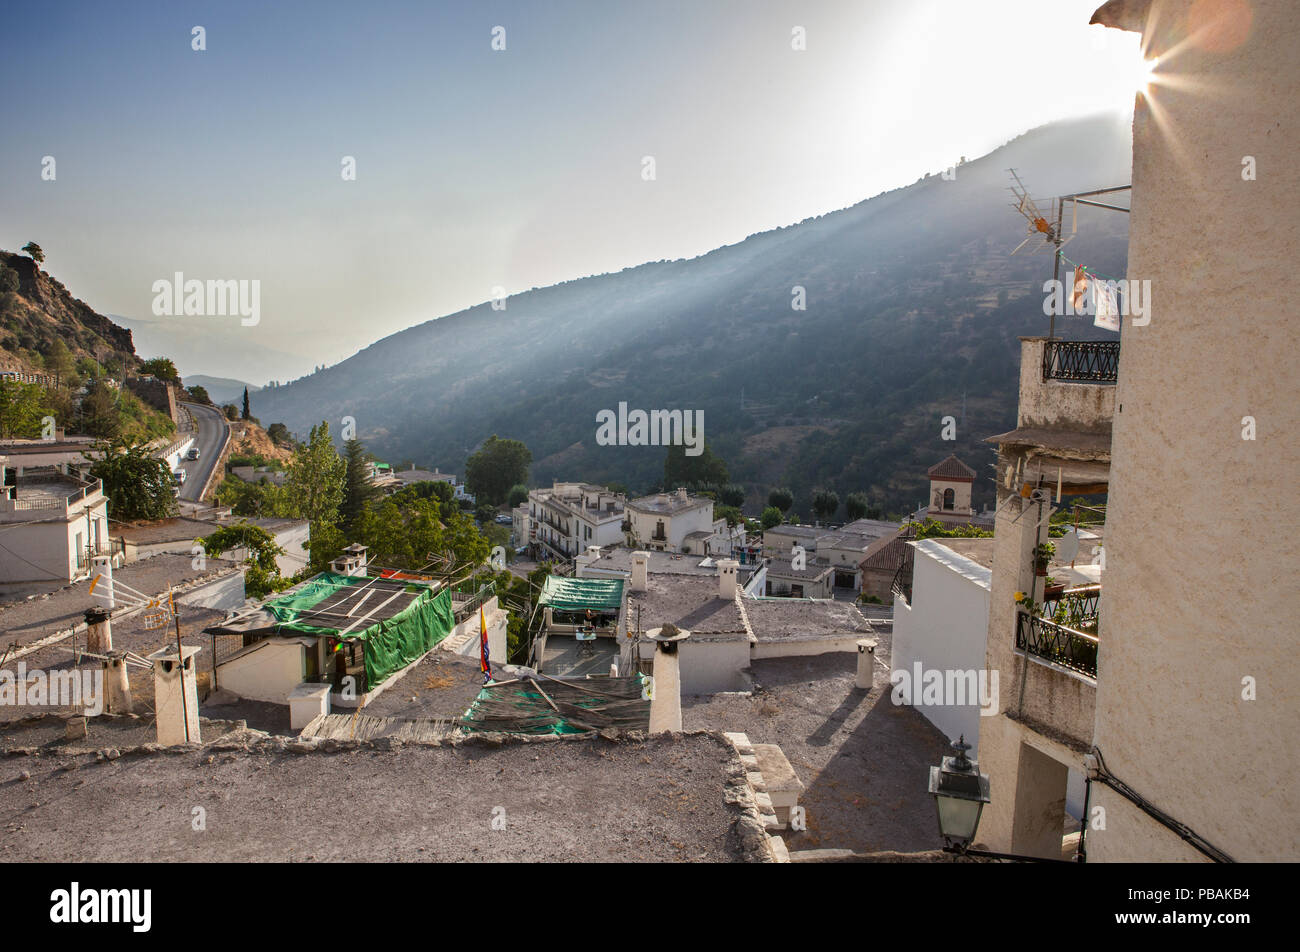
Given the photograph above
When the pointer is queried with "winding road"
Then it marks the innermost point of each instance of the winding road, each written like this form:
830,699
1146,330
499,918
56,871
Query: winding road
211,437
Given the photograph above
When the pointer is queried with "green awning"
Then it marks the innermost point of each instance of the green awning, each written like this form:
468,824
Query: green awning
579,594
396,621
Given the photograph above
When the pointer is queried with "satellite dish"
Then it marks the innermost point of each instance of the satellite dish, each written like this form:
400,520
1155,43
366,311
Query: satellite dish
1067,546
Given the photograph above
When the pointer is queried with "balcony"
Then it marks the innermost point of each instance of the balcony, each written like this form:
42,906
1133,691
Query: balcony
1057,643
1082,361
47,496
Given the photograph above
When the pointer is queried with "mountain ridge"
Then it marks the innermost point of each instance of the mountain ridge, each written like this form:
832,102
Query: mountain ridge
913,307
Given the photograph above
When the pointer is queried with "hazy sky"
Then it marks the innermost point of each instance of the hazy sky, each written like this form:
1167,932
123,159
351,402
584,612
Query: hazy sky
478,168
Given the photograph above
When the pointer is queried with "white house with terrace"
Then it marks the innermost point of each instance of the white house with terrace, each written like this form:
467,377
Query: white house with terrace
728,630
566,518
678,522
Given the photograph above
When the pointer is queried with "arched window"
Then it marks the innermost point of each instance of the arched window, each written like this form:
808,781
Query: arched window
949,497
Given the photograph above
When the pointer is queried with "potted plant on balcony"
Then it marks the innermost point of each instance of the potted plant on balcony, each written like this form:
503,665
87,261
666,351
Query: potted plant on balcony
1052,589
1043,553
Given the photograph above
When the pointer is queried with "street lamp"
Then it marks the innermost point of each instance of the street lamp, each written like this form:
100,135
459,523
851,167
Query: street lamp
960,792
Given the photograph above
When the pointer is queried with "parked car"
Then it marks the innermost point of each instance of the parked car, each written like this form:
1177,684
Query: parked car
193,453
178,477
505,519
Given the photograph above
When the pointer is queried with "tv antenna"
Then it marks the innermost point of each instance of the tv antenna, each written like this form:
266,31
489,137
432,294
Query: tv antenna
1047,228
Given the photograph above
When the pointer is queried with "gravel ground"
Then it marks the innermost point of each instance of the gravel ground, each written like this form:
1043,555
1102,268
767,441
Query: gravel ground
130,634
597,800
439,686
864,762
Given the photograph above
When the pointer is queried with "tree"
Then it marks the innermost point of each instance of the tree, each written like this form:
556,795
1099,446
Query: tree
138,485
693,471
33,251
99,412
247,413
781,498
771,517
732,495
498,465
316,477
825,504
933,529
60,362
358,491
732,514
162,368
200,395
22,405
263,574
279,434
518,495
231,411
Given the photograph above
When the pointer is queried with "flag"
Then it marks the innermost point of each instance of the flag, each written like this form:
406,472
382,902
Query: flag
484,663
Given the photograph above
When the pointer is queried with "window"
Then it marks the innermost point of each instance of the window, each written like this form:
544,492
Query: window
948,498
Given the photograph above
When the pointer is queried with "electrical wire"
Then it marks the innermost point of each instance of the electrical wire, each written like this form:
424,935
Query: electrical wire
1186,833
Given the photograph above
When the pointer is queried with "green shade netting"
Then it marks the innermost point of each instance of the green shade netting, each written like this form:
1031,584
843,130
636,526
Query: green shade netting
395,642
515,708
579,594
391,643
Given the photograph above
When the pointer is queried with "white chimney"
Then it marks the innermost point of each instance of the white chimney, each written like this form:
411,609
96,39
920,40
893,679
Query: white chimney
104,567
666,702
117,684
640,570
176,698
866,678
351,562
99,631
727,578
681,493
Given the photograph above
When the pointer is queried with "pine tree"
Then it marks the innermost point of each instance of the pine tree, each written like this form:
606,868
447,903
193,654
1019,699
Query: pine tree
358,490
247,413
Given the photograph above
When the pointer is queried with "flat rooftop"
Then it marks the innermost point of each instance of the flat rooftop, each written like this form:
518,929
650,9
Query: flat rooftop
164,530
689,602
798,532
791,619
812,569
566,657
979,551
28,619
667,503
55,490
589,799
671,563
862,759
440,686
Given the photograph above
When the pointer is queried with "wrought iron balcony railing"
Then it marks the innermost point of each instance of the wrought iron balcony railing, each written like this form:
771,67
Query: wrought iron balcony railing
1071,649
1074,607
1085,361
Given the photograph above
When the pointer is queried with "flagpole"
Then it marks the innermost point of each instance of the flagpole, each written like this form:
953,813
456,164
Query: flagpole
185,704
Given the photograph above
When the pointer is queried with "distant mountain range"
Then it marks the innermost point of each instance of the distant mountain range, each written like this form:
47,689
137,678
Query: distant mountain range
913,309
221,389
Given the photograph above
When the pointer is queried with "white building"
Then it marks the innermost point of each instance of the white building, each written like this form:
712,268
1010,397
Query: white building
678,522
50,526
565,519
